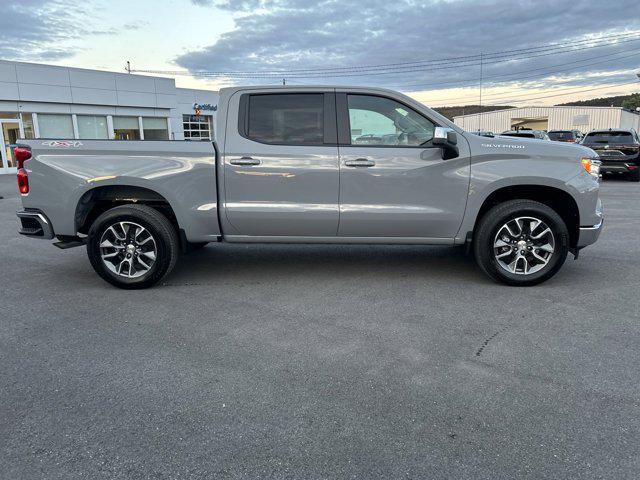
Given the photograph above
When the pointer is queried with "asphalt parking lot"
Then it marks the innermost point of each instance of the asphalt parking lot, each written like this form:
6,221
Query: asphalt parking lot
313,362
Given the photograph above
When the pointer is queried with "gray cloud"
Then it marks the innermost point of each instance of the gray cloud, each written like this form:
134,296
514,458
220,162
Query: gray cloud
303,34
37,29
43,29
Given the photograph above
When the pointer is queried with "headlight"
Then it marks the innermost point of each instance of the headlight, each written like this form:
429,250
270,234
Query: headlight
591,165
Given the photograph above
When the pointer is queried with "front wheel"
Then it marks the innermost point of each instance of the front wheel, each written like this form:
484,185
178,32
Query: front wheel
132,246
635,175
521,243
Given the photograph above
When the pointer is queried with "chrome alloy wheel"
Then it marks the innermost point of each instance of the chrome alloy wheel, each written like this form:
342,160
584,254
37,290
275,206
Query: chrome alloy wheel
128,249
523,245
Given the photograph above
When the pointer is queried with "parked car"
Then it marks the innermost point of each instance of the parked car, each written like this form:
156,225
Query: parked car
483,133
579,135
285,169
619,151
539,134
569,136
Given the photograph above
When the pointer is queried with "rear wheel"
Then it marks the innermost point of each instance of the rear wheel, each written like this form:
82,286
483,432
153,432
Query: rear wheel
132,246
521,243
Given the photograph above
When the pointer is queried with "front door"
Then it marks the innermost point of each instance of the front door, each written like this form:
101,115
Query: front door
10,132
393,181
281,175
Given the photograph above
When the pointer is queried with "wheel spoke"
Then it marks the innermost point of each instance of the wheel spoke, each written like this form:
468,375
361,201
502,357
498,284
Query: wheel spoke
547,248
150,255
541,234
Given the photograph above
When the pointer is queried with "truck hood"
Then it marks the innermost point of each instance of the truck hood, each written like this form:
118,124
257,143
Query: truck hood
529,147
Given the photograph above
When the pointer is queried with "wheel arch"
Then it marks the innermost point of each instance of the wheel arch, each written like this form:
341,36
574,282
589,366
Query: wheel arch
561,201
99,199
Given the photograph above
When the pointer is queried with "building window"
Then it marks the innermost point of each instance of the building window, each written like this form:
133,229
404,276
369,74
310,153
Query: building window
8,115
197,127
27,125
126,128
55,126
92,127
155,128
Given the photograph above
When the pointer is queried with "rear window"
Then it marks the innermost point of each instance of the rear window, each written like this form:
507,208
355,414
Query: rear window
525,135
287,119
609,137
560,135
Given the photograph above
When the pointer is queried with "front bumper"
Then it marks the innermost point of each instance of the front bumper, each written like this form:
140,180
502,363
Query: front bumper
34,223
589,235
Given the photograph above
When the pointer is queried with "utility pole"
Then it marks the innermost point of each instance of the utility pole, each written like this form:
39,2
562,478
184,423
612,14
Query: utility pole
480,103
128,67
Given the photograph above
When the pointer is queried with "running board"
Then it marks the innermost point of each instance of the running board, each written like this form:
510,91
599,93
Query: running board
70,242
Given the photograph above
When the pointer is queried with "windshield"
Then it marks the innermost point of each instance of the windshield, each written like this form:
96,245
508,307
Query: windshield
609,137
561,135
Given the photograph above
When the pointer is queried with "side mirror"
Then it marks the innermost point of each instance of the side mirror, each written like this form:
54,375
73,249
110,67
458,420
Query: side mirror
447,139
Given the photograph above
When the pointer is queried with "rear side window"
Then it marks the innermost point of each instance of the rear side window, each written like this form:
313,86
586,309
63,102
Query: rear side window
609,137
286,119
560,135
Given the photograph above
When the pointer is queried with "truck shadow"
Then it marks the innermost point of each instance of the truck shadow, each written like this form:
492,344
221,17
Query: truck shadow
267,262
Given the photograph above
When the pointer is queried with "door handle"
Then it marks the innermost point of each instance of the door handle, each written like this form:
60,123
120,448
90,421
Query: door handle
245,161
360,162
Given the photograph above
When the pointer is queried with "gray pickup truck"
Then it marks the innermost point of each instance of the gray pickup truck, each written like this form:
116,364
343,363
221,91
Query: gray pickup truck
313,165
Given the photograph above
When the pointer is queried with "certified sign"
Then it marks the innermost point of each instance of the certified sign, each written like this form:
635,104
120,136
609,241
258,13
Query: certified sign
199,107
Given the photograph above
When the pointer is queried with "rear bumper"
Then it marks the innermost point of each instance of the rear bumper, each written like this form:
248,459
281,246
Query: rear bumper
34,223
618,167
589,235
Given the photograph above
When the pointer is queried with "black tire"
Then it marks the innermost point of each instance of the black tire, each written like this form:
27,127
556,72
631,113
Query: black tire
635,175
160,229
491,223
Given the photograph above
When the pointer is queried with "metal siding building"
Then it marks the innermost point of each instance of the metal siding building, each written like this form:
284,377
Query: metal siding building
550,118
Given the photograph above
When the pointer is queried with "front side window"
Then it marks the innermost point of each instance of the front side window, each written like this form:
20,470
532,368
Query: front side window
126,128
286,119
92,127
155,128
381,121
55,126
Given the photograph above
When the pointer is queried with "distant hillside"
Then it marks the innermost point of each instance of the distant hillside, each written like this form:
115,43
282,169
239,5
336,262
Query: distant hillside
451,112
600,102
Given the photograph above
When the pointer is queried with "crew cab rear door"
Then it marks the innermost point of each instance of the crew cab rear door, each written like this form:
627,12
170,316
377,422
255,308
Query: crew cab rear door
393,180
280,160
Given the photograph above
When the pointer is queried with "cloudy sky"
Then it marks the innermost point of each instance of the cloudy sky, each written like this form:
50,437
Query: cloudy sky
429,49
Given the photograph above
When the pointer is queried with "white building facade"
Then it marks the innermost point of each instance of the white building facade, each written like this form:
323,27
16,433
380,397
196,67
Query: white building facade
550,118
42,101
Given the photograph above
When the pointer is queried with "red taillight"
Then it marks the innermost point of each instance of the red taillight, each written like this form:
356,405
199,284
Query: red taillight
21,155
23,181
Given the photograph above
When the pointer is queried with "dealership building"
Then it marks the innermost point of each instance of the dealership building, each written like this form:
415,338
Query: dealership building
42,101
550,118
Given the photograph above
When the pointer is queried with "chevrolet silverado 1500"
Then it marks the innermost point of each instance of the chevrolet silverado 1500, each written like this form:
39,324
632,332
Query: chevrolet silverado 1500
313,165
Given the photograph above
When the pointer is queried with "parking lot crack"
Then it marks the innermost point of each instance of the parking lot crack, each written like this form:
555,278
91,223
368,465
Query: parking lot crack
489,339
